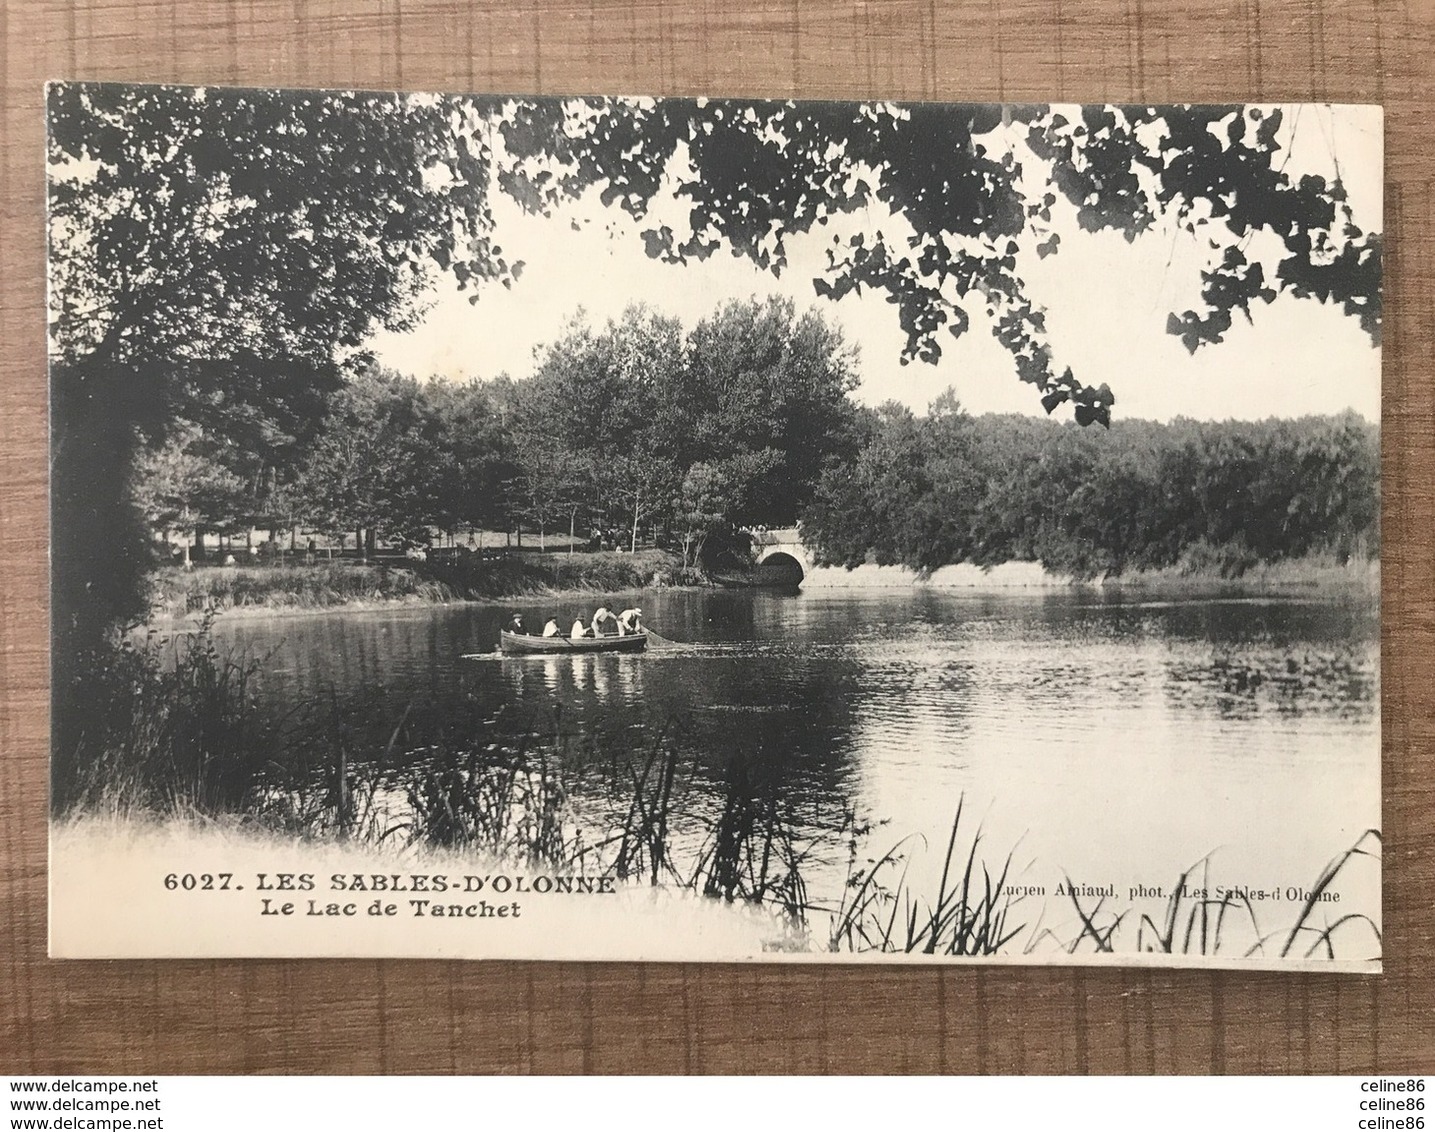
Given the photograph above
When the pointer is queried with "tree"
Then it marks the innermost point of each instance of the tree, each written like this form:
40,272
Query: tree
702,508
615,420
765,396
709,502
958,183
872,506
372,469
185,484
642,484
203,238
595,398
471,455
558,486
925,492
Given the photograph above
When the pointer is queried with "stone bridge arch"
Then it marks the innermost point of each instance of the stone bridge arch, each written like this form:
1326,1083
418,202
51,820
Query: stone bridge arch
781,557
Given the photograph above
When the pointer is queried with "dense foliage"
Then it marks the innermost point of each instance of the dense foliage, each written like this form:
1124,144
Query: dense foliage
925,492
958,194
220,258
652,433
217,261
725,426
636,427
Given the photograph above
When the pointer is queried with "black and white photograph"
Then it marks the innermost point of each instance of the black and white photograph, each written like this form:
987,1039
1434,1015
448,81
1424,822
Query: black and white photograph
706,529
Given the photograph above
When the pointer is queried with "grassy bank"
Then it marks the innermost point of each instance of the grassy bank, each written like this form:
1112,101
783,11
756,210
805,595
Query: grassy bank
516,576
1310,571
176,593
322,585
1192,579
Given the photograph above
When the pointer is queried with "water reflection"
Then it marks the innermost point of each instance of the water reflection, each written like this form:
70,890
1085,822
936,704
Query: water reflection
1098,732
1246,682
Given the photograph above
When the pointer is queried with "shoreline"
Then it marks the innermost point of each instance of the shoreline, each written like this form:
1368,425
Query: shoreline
183,596
1312,573
1291,579
256,610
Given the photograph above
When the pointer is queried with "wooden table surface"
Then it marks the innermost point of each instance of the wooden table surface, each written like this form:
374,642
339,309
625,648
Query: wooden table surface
414,1017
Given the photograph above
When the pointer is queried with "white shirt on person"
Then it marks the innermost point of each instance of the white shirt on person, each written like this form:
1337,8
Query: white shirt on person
629,621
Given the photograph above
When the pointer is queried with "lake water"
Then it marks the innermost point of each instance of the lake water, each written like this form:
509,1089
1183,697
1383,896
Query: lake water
1105,737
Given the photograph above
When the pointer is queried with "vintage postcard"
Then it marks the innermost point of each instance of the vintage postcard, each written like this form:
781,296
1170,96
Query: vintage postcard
627,528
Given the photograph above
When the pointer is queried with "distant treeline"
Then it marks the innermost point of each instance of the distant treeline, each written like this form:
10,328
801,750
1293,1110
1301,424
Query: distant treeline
686,437
643,428
947,487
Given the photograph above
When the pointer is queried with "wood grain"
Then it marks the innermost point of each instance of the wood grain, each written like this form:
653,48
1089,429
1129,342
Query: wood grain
242,1017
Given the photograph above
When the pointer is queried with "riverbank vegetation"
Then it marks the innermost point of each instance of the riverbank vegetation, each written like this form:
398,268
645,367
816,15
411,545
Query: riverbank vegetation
1189,497
176,592
640,433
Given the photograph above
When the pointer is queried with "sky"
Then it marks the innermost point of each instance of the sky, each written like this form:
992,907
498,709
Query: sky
1106,302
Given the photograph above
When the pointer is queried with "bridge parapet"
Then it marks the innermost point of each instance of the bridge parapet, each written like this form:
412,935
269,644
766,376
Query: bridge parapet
774,545
772,536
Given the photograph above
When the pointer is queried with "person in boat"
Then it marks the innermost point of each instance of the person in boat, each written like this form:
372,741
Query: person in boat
580,630
630,621
516,626
604,623
551,629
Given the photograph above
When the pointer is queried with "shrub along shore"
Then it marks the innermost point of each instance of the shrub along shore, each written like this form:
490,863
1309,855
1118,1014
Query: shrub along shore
176,593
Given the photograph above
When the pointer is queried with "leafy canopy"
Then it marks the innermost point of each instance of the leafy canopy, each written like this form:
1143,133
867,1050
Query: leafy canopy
202,230
199,236
963,185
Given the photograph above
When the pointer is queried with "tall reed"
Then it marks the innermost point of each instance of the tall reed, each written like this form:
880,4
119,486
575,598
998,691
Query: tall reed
170,723
751,853
970,913
1324,935
1197,922
642,839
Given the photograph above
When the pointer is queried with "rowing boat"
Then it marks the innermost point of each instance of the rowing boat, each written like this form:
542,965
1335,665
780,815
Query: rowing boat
519,643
